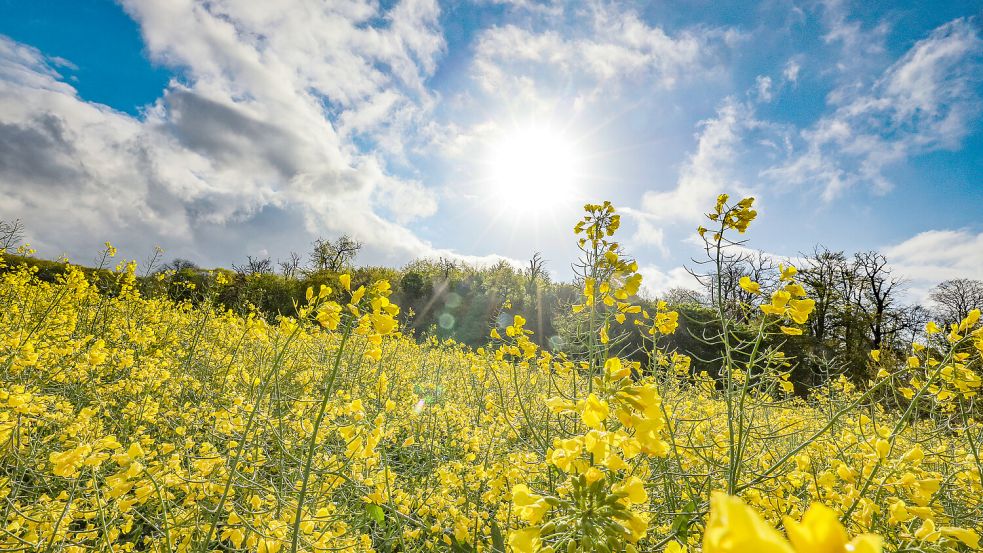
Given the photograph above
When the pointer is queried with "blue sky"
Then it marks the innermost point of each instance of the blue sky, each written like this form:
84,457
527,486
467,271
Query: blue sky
477,129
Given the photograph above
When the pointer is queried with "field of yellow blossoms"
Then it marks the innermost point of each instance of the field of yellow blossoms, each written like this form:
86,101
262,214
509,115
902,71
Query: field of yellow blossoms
136,424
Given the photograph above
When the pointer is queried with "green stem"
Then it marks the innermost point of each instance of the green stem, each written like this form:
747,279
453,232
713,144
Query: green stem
312,445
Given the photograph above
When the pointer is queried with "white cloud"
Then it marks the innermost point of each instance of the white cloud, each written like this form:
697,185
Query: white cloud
791,71
647,233
708,171
925,101
933,256
656,281
594,60
265,114
763,85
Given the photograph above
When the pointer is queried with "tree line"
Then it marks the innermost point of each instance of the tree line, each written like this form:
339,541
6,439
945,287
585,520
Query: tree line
861,304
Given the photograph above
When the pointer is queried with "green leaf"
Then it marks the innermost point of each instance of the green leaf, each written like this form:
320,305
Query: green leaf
680,524
375,512
498,541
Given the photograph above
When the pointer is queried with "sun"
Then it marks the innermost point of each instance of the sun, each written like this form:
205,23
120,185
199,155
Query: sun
532,167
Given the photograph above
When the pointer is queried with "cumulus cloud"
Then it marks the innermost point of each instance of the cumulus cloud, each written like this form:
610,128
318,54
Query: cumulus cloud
936,255
268,109
656,281
925,101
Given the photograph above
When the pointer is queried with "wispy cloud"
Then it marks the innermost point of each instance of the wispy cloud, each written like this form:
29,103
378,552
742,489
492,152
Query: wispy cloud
709,170
925,101
610,48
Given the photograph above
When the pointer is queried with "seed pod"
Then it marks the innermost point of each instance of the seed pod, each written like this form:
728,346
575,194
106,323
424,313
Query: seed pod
596,487
615,497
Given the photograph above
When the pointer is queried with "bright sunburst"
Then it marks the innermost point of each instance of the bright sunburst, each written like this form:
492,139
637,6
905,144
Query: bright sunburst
532,167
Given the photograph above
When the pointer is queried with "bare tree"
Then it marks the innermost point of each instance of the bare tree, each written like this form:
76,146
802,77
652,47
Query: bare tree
755,265
879,289
11,234
291,266
179,264
536,271
820,274
953,299
151,263
255,266
909,323
679,296
448,266
334,256
536,275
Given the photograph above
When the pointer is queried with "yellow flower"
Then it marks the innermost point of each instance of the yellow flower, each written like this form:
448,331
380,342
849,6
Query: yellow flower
595,412
383,323
530,507
914,455
667,321
733,527
968,536
346,281
357,295
66,463
799,310
615,369
970,320
675,547
134,452
749,285
634,489
927,531
791,331
819,531
721,200
882,447
899,513
779,301
329,315
526,540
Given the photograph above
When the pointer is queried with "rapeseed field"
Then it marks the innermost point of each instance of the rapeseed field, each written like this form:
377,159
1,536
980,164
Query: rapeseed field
132,423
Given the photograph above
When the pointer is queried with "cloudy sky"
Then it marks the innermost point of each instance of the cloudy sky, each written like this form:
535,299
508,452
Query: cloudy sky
220,129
